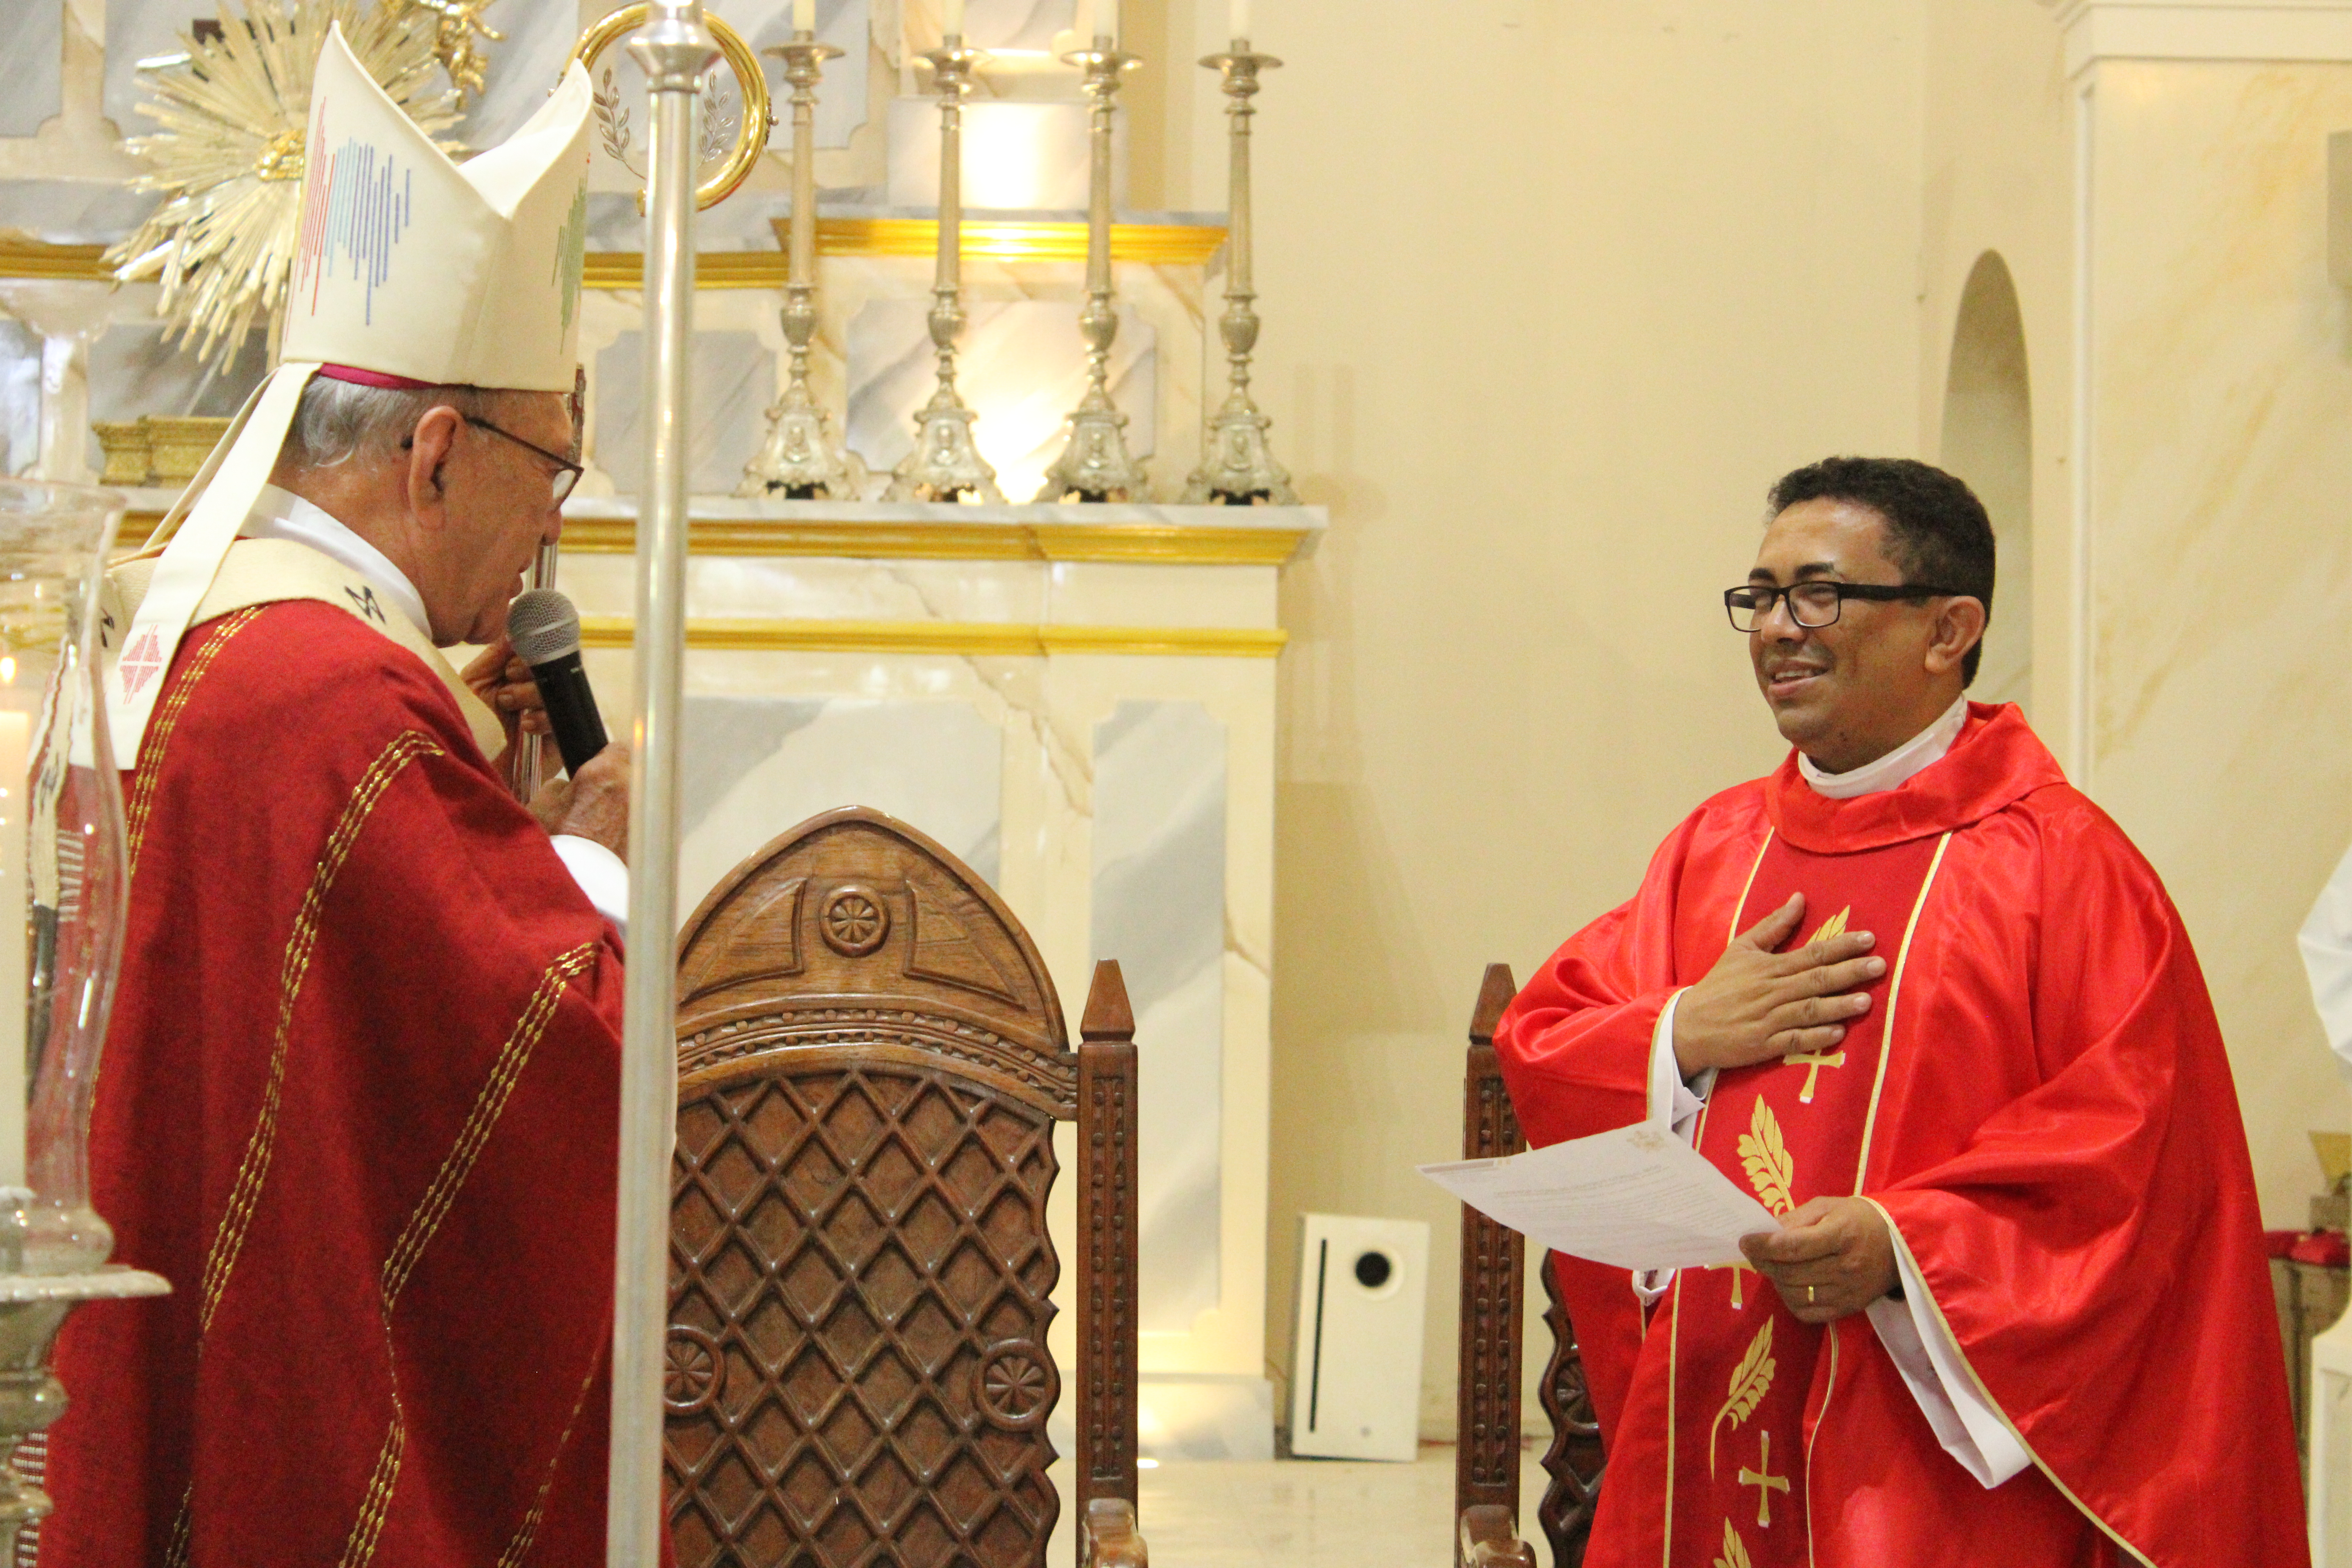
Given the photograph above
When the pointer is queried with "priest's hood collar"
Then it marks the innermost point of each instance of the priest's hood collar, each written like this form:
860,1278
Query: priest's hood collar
1996,762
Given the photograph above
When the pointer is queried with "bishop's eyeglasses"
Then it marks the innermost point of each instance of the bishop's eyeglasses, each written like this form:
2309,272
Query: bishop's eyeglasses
1814,605
567,472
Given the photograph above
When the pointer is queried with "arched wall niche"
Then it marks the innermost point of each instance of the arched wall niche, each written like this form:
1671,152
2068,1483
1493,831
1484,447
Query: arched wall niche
1988,440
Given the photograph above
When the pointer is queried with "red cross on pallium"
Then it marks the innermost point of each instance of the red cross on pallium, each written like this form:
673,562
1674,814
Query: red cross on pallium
141,661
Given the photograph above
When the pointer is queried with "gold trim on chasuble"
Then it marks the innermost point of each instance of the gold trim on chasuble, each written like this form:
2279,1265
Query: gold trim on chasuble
1993,1405
148,766
1770,1168
244,1193
417,1235
253,1169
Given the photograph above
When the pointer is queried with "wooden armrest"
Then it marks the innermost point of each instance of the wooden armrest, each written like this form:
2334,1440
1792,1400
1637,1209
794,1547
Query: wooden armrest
1490,1539
1114,1542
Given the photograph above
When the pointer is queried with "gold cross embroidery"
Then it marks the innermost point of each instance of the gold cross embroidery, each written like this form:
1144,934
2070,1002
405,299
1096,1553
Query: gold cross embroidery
1736,1271
1764,1482
1814,1062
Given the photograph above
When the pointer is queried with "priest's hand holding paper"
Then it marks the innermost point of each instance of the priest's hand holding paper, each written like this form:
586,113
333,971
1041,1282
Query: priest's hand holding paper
1757,1004
1831,1257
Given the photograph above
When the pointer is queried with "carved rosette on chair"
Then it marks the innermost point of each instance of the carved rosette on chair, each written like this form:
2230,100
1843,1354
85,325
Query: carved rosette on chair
1486,1462
62,888
1237,467
946,464
801,460
1094,465
871,1061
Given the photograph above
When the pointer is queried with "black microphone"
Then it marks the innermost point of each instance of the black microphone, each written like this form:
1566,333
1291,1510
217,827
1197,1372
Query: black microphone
545,631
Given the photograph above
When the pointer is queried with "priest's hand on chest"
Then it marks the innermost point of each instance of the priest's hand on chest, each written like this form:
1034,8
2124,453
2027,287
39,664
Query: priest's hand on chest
1831,1257
1757,1004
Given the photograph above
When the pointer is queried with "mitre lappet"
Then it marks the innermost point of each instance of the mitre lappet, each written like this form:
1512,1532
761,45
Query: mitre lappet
410,271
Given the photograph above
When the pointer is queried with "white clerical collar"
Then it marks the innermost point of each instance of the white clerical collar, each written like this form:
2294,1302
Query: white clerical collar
281,514
1914,756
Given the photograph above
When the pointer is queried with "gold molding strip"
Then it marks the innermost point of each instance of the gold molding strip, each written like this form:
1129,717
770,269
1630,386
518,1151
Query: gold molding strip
974,639
1160,244
36,259
1146,544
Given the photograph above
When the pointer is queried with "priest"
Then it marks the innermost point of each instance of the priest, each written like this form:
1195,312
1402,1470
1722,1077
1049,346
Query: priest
360,1099
1928,1005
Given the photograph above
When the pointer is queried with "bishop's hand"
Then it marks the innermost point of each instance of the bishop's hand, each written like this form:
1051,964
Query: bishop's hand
504,684
1757,1004
593,803
1833,1257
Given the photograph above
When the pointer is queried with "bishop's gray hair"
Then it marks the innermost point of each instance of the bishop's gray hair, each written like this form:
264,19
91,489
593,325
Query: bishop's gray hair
340,420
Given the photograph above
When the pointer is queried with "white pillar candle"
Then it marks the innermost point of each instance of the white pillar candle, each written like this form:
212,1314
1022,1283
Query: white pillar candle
1106,19
804,16
1238,15
954,25
15,917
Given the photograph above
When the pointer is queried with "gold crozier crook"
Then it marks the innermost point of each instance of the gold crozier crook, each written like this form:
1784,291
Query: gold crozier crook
759,118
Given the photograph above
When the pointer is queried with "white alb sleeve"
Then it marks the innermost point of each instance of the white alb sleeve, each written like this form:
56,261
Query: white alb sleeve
2327,943
602,874
1676,1103
1971,1430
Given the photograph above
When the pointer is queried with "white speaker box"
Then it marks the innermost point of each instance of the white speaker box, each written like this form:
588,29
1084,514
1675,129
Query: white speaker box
1355,1358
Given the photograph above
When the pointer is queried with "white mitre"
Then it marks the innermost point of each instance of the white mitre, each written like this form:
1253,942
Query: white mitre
409,270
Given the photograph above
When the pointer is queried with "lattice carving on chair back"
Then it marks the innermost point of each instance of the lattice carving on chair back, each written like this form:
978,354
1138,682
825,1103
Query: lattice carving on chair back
871,1059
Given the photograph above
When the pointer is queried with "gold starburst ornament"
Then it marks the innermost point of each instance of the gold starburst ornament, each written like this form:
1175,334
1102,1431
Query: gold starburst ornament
234,109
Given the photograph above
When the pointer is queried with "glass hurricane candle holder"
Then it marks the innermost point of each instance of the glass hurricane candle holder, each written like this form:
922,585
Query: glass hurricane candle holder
63,884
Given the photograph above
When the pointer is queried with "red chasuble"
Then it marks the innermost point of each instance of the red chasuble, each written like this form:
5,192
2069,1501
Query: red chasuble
2040,1102
359,1104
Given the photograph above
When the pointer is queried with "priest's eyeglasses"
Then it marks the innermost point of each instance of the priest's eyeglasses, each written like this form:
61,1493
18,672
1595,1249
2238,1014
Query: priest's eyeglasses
1814,605
567,472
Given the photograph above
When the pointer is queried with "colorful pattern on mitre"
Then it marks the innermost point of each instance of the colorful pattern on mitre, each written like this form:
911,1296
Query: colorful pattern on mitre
408,268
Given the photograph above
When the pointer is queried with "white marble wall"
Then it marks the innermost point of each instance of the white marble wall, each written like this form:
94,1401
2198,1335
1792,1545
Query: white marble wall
752,767
1159,909
32,42
733,380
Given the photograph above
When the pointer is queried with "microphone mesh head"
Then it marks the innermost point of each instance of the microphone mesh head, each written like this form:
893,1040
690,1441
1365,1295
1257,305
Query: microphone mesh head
542,626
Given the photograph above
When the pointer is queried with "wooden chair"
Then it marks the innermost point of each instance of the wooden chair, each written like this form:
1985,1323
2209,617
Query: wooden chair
1486,1455
871,1060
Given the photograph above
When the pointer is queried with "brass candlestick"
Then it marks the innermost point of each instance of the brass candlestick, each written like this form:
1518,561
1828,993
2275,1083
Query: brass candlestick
945,464
799,460
1094,465
1236,465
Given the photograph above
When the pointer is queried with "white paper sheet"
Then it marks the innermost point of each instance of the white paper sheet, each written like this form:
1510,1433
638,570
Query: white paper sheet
1637,1197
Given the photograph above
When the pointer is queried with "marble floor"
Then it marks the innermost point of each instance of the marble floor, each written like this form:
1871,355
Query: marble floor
1312,1513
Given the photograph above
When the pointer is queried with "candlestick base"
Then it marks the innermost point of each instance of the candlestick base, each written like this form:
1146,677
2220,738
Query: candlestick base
946,464
800,460
1237,467
33,1307
1094,465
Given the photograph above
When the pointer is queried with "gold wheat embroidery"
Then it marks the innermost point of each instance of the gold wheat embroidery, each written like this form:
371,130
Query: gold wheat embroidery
1771,1171
1832,927
1750,1381
1735,1551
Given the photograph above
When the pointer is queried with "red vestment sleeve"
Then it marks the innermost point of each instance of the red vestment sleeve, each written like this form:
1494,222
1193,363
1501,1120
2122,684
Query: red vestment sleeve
359,1103
2056,1238
1574,1047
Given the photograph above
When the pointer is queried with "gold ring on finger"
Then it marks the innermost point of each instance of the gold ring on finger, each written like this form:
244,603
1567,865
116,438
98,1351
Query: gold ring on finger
1809,1295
